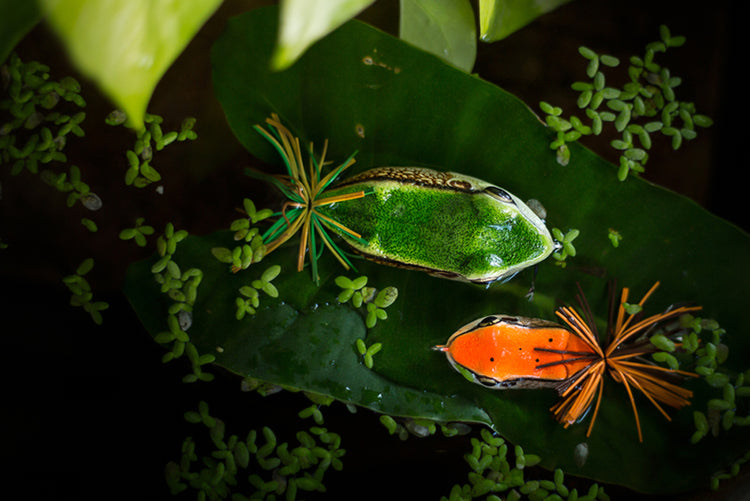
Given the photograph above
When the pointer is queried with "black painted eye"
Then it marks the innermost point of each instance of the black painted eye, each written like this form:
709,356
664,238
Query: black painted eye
499,193
487,321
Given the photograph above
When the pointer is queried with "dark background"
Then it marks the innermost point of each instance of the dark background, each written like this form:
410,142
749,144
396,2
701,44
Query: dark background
90,412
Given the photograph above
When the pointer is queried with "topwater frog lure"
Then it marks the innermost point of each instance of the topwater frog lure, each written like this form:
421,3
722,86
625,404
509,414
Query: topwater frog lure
447,224
499,352
503,351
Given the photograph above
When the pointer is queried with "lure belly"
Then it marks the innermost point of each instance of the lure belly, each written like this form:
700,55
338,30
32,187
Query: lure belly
500,352
447,224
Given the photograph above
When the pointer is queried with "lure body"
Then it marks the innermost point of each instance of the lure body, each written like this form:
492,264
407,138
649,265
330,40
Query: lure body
447,224
501,351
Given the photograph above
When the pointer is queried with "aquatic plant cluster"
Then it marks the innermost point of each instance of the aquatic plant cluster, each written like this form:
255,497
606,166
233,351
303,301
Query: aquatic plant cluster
40,122
358,293
181,287
151,138
494,471
252,249
44,114
249,298
495,467
643,106
81,294
255,461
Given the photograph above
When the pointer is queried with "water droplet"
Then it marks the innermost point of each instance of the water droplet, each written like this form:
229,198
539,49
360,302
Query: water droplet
91,201
581,454
185,319
536,206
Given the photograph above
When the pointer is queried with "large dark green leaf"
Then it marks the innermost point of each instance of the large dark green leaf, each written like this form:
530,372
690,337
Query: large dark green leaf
366,91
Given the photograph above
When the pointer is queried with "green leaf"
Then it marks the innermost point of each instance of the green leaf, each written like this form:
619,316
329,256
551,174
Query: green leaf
86,266
126,47
304,22
305,339
445,28
500,18
271,273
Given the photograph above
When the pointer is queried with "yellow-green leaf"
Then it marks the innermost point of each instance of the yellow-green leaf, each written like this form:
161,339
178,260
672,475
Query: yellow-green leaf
445,28
500,18
126,46
304,22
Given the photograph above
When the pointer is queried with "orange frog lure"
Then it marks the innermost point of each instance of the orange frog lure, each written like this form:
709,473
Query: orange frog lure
499,352
502,351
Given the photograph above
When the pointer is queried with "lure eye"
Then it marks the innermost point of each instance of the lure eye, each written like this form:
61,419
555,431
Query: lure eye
487,321
500,194
488,381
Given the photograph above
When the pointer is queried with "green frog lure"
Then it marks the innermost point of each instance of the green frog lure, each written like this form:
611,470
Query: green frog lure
446,224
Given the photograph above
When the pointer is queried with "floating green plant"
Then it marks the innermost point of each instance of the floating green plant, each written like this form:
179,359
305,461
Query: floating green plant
72,184
37,130
359,293
251,250
38,127
614,237
81,291
249,298
368,352
732,471
138,233
404,427
149,139
566,249
166,245
255,465
728,408
89,224
646,104
494,472
182,288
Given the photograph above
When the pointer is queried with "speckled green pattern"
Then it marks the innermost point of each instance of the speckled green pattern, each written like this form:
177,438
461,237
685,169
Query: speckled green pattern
467,235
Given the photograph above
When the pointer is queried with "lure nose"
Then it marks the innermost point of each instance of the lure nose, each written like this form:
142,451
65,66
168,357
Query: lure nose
440,347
